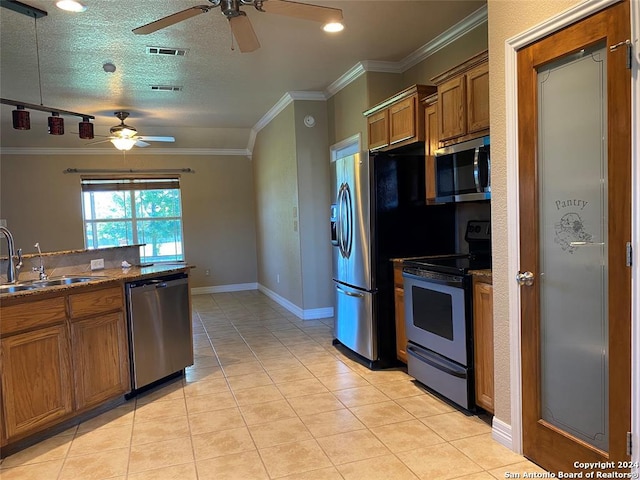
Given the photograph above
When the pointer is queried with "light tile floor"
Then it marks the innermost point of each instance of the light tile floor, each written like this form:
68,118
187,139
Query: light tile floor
270,397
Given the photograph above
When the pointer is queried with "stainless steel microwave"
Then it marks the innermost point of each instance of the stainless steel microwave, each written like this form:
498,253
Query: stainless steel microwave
463,171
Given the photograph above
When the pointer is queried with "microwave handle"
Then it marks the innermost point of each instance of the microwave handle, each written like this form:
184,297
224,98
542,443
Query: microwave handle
476,172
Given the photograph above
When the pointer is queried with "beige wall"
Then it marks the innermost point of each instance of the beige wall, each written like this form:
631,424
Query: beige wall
41,204
507,18
276,192
291,176
312,152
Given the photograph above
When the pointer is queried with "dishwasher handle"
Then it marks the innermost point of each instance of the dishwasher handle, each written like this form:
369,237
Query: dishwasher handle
161,282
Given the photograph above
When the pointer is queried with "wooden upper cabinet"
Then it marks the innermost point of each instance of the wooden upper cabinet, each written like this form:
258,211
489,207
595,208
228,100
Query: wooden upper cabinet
463,101
452,108
402,120
378,129
478,98
399,120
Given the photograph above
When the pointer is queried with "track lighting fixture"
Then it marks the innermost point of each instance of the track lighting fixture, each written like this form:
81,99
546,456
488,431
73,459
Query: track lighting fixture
85,129
21,119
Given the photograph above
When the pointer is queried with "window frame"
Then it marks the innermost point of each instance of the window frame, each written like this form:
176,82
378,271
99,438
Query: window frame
132,218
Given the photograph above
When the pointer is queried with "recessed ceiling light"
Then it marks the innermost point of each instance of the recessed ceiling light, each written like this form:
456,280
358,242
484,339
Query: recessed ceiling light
71,6
333,27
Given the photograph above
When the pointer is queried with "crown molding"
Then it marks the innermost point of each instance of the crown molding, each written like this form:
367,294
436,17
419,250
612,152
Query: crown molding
285,101
452,34
352,74
223,152
449,36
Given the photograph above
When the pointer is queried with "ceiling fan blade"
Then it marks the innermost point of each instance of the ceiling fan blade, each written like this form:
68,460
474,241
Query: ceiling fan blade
244,34
145,138
99,141
172,19
140,143
304,11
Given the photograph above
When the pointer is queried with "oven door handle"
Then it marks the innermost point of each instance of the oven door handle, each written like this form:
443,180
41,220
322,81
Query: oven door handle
435,363
433,277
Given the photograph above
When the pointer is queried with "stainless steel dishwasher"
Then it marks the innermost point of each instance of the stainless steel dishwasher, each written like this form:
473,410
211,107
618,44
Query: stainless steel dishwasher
161,340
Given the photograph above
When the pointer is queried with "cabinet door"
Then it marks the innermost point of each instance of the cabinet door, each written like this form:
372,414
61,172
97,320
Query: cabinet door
483,343
431,145
401,333
452,108
378,130
101,358
36,379
478,98
402,120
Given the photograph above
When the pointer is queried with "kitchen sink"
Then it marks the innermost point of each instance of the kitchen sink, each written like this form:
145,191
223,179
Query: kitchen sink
16,288
50,282
65,280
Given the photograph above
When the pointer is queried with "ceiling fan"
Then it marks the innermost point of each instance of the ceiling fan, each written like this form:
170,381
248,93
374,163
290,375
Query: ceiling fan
124,137
239,22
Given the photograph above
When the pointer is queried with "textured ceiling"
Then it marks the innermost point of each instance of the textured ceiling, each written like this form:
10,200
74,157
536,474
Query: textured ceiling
225,92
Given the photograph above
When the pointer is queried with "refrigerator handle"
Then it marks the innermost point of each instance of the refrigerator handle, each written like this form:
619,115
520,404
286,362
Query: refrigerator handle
339,221
347,236
350,294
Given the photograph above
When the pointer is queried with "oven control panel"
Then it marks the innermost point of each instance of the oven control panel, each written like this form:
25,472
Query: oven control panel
478,230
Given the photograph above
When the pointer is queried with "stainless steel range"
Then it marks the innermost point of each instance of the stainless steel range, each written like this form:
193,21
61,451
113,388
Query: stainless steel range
438,315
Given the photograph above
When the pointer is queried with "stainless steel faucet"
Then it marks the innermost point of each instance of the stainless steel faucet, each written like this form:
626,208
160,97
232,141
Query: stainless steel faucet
12,268
40,269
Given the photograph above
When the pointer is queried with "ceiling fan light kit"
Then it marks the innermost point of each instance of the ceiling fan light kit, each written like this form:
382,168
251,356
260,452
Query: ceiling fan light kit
125,137
124,143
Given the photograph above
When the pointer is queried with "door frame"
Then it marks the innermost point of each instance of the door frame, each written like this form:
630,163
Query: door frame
511,435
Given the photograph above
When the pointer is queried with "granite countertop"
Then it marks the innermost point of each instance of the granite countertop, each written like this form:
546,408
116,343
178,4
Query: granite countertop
106,276
482,273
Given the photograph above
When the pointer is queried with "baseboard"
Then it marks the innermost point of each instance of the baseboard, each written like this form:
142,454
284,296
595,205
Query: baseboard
310,314
501,433
224,288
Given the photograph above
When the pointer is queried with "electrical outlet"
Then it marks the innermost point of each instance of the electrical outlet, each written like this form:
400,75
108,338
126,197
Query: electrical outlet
97,264
278,278
207,272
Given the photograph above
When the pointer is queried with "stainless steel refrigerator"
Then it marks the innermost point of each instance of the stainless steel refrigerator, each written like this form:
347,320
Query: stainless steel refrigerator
379,213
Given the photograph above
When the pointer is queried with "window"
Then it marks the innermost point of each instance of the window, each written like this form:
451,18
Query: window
134,211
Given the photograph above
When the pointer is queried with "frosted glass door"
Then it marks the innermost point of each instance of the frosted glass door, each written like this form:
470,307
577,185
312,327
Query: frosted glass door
572,161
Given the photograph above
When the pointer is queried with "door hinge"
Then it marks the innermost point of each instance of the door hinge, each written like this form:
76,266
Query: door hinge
629,449
627,43
629,254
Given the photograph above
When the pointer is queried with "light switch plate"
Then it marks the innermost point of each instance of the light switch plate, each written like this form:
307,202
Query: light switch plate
97,264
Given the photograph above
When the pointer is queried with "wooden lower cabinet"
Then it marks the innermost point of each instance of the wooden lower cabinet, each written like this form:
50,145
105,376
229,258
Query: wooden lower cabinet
36,379
401,329
61,356
100,359
483,341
